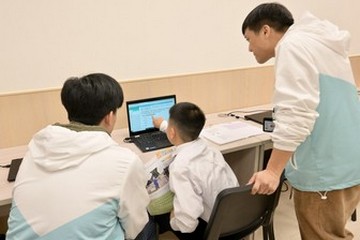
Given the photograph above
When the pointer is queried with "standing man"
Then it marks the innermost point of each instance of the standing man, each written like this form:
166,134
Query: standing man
317,114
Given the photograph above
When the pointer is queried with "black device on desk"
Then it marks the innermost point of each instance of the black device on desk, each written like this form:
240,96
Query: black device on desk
14,168
265,118
141,129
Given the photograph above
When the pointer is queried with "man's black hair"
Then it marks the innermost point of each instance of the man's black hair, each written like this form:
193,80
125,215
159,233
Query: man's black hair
90,98
275,15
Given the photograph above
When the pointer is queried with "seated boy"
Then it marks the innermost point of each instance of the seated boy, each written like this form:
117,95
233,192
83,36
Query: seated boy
197,174
75,181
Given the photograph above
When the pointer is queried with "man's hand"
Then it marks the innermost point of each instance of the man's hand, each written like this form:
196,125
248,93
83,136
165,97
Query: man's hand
265,182
157,121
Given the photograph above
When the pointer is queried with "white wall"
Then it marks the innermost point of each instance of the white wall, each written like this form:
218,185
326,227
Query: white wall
43,42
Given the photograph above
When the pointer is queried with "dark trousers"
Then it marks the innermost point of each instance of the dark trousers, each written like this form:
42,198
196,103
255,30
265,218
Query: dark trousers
161,223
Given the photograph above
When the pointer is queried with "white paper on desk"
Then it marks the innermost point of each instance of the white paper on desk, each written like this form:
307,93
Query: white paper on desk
229,132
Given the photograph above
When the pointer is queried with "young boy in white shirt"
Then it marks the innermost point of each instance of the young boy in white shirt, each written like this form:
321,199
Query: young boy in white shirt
197,174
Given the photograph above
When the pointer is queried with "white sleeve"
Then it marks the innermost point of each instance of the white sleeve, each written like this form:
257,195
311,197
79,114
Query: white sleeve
188,205
163,126
296,97
134,200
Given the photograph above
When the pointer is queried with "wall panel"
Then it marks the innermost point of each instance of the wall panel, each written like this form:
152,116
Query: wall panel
23,114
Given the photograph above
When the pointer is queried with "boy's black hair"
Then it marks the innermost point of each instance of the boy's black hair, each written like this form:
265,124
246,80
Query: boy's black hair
189,119
275,15
90,98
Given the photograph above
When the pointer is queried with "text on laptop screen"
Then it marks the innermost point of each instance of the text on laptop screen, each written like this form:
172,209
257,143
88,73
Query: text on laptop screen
141,112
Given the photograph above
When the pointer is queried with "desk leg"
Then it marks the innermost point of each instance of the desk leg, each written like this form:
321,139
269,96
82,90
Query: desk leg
4,214
245,162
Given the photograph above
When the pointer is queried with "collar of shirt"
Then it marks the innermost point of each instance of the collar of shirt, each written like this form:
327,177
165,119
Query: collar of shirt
182,146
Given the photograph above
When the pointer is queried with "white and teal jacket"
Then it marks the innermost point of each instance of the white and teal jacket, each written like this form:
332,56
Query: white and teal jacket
317,109
78,185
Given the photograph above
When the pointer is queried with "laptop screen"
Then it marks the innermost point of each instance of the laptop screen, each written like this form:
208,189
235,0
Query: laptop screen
140,112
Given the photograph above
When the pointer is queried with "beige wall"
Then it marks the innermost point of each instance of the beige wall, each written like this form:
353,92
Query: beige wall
23,114
44,42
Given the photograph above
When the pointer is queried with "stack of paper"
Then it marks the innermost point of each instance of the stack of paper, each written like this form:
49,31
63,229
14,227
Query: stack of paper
229,132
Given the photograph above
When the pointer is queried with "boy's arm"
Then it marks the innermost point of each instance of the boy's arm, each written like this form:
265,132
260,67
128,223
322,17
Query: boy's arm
160,123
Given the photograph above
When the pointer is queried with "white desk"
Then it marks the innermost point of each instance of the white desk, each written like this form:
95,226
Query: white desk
244,156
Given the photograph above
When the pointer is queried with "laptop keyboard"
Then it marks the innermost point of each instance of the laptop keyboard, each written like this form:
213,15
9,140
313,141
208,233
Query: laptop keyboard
156,138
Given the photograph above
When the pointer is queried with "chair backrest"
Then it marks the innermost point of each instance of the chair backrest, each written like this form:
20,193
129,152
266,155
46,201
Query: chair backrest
237,213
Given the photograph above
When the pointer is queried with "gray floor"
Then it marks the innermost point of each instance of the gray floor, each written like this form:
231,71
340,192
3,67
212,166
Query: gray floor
285,223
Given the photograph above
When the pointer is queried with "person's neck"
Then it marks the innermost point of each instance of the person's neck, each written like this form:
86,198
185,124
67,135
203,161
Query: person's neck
178,141
181,142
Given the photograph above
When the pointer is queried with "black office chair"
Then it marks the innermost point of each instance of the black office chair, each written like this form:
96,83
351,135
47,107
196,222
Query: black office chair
237,213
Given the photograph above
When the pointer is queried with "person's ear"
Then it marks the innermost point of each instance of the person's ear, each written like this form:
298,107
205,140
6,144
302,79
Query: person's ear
266,30
108,118
171,132
108,121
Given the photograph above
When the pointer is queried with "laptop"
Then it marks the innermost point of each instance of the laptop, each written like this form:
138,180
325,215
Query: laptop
259,117
141,129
